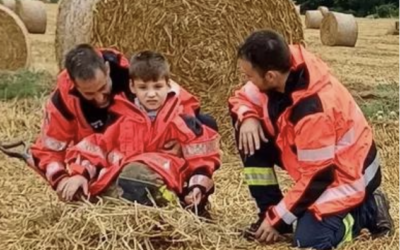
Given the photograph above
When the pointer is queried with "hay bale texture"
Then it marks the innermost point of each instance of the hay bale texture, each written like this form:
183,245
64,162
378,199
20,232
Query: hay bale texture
324,10
313,19
9,4
199,37
33,14
14,42
338,29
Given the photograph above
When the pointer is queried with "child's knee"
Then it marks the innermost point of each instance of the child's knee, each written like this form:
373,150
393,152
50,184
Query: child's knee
139,183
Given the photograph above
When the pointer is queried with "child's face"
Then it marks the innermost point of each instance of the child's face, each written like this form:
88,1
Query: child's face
151,95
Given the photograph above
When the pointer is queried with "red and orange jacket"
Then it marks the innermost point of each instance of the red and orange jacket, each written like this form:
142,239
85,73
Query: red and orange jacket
69,117
325,141
134,137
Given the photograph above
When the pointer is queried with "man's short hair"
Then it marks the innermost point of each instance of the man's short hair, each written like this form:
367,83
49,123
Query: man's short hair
148,66
82,61
266,50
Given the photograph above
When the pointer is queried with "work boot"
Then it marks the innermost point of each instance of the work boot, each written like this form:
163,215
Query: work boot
384,222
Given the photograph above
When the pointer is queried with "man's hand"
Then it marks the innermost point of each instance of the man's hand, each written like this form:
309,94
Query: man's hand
266,233
250,134
173,148
68,187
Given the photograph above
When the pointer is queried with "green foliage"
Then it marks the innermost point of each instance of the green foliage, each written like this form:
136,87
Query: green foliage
379,103
24,84
387,10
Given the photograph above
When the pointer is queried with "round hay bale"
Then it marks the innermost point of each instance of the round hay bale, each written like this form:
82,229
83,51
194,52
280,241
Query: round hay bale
199,38
394,29
324,10
9,4
13,41
313,19
298,10
33,14
338,29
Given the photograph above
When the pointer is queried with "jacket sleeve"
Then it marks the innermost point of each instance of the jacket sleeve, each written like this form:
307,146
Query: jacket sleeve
57,132
246,103
315,158
200,147
94,152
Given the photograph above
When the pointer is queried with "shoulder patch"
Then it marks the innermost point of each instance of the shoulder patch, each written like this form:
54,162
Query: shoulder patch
307,106
60,105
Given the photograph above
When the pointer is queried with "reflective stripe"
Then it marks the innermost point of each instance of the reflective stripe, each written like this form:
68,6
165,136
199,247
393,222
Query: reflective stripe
201,148
347,190
89,147
114,157
53,168
347,140
260,176
319,154
167,194
53,144
348,222
201,180
284,213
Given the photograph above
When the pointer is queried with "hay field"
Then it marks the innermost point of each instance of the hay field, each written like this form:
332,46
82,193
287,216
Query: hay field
32,218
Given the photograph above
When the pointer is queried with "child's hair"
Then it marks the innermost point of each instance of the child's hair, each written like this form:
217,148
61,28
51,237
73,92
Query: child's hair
148,66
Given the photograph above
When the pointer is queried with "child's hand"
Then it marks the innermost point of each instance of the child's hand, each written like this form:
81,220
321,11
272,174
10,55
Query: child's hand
68,188
194,197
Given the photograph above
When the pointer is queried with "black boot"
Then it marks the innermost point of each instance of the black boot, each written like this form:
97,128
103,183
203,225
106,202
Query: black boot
384,222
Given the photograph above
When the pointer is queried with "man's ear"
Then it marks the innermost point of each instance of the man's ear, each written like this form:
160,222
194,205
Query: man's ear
107,68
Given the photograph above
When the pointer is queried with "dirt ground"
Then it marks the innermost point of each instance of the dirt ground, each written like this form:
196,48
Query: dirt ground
32,218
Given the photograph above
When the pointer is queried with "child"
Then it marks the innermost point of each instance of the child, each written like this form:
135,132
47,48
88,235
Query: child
128,152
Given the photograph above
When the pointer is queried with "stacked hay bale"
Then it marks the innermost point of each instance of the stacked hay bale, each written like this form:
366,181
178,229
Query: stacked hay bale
338,29
394,29
199,37
324,10
33,14
313,19
14,43
8,3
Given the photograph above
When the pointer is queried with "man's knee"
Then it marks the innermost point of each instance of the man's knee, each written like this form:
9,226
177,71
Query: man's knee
208,120
312,233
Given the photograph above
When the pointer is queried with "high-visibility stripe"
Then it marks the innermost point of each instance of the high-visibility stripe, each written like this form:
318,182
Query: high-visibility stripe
87,146
255,176
347,140
53,144
347,190
318,154
284,213
53,168
201,149
348,222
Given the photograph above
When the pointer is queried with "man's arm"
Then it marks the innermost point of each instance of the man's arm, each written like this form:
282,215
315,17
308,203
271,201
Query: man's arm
315,145
58,130
246,103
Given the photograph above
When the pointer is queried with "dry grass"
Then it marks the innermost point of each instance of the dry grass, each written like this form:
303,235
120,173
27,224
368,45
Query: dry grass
32,218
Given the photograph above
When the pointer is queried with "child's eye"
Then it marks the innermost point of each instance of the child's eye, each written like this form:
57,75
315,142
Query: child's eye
158,86
142,87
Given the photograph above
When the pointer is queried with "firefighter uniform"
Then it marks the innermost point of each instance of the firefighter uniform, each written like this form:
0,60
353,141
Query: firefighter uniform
319,135
69,117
